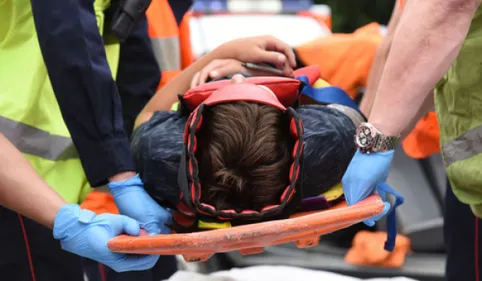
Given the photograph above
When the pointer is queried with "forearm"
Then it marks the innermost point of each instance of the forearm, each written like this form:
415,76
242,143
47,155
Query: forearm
73,51
426,107
379,62
167,95
374,78
23,190
427,41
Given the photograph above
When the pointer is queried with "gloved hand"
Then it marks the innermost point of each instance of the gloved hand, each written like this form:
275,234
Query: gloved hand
364,176
133,201
86,234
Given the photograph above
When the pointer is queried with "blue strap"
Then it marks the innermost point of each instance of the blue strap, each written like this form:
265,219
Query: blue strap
391,216
327,95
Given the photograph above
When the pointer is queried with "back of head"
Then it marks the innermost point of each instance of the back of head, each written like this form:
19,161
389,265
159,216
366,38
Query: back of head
243,155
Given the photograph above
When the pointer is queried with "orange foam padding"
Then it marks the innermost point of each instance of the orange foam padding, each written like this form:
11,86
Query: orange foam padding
303,228
367,250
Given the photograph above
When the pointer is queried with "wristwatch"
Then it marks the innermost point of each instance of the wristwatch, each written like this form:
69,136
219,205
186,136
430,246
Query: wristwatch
368,139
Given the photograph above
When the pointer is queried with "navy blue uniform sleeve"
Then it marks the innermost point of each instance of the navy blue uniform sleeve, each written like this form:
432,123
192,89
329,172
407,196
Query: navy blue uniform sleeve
74,54
138,74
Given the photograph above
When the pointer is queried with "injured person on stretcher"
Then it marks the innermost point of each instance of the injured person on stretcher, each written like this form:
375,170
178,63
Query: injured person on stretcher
244,148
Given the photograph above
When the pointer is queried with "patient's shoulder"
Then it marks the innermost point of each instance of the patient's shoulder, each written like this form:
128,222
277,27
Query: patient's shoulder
320,119
329,147
157,146
160,137
165,119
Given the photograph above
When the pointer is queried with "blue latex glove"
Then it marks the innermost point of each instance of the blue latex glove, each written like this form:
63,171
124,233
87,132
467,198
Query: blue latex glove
86,234
133,201
363,177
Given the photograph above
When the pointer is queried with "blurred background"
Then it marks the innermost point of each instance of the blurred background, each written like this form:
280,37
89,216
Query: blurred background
348,15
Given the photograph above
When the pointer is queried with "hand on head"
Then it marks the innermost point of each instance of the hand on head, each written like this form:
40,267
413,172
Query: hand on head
259,49
263,49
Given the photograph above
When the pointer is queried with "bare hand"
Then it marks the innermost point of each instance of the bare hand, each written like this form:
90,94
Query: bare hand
221,68
261,49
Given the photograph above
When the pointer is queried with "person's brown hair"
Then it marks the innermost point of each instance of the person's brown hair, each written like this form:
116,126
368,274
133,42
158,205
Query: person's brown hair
244,152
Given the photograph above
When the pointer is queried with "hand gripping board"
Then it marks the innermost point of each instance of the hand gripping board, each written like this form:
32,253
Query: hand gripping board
302,228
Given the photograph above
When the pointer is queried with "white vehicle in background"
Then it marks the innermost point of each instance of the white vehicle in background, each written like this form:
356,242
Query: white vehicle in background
214,22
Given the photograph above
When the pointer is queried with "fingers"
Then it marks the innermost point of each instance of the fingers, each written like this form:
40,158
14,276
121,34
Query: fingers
119,224
127,262
217,69
165,229
382,194
288,70
195,79
202,76
166,220
204,73
160,226
274,58
274,44
371,222
282,53
153,228
157,223
131,227
226,70
355,191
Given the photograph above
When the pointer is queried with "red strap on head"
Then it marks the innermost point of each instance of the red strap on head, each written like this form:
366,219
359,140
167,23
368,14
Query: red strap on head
286,90
244,92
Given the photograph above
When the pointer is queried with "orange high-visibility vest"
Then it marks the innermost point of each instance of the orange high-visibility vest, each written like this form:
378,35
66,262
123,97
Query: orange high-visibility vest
164,34
187,57
100,202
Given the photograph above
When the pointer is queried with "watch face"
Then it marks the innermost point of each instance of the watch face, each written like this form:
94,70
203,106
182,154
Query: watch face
364,137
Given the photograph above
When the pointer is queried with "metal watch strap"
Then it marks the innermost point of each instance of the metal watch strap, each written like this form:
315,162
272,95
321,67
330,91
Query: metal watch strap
384,143
369,139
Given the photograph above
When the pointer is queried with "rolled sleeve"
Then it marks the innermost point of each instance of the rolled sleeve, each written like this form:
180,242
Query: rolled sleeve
74,54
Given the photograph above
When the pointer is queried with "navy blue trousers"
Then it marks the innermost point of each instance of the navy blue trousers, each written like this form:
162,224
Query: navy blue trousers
463,235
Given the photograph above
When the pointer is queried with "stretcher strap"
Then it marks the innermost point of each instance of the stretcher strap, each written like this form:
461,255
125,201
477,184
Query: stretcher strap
391,216
327,95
